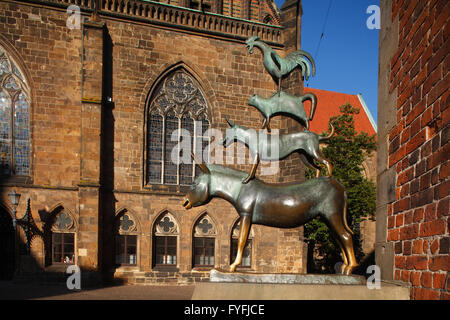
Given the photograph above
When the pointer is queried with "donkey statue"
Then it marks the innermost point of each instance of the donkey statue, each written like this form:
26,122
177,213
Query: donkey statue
276,205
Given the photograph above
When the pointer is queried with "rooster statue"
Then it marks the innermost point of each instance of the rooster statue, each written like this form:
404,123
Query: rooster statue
279,67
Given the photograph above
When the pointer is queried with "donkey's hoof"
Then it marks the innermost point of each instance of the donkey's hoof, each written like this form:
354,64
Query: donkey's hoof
348,270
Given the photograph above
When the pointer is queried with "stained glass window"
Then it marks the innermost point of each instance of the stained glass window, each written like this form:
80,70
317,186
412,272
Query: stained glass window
187,136
155,145
170,149
14,119
178,115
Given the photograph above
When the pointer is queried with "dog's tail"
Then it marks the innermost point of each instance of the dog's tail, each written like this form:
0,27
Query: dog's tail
322,138
313,98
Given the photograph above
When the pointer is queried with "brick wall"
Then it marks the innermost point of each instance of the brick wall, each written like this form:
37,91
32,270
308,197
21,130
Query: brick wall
417,145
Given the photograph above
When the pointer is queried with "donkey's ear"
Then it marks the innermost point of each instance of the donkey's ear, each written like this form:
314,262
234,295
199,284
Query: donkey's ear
230,123
200,164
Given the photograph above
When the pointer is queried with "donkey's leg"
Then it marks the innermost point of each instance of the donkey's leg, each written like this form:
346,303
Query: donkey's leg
243,235
344,257
344,238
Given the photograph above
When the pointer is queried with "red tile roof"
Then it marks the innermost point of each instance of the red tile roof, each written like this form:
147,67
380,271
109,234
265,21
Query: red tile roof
328,103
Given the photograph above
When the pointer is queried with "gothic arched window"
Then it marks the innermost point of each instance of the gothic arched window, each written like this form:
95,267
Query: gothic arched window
178,115
126,240
204,242
14,119
63,239
165,239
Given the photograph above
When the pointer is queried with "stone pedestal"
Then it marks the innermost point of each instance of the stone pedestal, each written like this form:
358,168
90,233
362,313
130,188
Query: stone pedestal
279,278
248,286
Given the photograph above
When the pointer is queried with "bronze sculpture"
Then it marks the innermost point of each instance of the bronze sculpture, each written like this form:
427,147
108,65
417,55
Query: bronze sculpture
276,205
286,104
279,67
306,143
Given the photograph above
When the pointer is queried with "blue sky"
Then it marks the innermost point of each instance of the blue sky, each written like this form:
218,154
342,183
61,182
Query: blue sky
347,58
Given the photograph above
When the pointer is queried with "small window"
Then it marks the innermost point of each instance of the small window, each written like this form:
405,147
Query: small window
165,238
63,239
63,248
205,5
165,250
126,249
204,252
126,240
204,242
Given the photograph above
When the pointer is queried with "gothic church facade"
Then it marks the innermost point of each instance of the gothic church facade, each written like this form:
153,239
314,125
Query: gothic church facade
88,108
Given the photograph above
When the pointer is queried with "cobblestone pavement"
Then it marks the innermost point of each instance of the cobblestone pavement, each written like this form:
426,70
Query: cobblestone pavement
9,290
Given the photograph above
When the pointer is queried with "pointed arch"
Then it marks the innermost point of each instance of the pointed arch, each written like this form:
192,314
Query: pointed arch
126,221
166,224
177,114
165,231
199,77
15,113
126,235
204,226
204,236
60,229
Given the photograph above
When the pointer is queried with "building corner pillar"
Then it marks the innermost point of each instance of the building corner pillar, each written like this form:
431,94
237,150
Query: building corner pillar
89,233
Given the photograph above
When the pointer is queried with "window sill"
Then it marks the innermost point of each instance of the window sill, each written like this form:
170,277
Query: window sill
15,180
58,267
202,269
167,188
126,268
166,269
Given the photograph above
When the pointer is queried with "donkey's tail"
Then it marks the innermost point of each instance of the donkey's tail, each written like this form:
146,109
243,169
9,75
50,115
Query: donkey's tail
313,98
322,138
344,216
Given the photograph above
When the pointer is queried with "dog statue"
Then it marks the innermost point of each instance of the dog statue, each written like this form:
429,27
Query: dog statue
286,104
306,143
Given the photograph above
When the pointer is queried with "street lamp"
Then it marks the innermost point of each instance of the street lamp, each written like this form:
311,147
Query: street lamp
14,199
